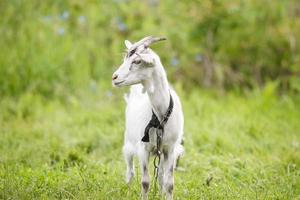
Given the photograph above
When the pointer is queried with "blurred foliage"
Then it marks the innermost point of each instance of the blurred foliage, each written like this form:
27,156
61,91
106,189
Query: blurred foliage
54,47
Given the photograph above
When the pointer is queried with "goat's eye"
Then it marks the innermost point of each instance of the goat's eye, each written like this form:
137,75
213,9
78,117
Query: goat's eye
137,62
131,52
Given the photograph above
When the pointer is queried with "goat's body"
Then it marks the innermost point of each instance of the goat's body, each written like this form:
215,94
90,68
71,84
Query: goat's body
150,91
138,114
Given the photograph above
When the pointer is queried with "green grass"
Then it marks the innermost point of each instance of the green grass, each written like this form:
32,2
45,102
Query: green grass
71,148
59,142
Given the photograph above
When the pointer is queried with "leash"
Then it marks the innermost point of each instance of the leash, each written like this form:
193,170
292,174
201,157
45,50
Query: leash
155,123
157,158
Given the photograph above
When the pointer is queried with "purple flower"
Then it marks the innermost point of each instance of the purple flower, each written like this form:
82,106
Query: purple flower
61,31
93,86
120,1
122,27
81,19
47,18
121,24
198,58
109,93
174,62
64,15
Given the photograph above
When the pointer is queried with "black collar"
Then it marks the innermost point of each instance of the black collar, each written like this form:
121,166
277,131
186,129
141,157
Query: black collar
154,122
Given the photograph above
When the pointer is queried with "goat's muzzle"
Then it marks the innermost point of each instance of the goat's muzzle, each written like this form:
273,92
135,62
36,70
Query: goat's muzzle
114,77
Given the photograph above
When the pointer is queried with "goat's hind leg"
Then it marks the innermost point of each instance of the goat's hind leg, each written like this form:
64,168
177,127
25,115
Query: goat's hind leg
168,165
179,151
128,156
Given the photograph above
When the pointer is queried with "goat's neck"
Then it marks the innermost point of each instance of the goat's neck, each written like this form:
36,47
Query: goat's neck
158,91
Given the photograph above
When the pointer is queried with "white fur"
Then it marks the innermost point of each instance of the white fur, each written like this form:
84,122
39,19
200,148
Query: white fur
149,91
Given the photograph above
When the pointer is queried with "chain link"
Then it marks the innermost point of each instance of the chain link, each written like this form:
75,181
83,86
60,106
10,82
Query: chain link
157,158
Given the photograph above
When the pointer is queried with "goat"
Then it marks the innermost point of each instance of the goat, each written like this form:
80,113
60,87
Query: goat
150,92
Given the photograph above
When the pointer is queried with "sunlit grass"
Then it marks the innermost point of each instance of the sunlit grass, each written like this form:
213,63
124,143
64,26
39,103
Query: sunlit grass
71,149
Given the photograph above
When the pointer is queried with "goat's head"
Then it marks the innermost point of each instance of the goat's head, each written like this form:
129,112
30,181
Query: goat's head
138,62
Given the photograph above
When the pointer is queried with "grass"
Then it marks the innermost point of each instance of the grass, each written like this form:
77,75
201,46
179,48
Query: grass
247,146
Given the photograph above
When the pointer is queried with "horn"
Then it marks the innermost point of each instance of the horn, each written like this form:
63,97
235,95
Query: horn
152,40
147,41
141,42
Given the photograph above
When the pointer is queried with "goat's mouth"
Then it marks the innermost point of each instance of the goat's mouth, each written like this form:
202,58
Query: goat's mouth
119,83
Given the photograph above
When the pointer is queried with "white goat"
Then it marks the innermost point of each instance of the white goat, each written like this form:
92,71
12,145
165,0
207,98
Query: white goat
149,92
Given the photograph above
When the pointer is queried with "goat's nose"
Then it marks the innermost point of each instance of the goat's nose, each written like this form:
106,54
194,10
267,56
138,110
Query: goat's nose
114,77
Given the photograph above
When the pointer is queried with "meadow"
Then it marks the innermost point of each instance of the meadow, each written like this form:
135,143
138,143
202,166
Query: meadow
237,147
235,65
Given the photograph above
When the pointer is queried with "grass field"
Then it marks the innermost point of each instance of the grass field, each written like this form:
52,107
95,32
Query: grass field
70,148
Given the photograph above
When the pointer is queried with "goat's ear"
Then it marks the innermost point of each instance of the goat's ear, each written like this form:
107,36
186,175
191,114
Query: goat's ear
147,59
128,44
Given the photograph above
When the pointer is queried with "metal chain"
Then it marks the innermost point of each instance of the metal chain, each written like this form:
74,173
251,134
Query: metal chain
159,136
157,158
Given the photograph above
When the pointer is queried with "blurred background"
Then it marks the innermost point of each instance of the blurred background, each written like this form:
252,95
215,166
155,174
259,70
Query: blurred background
56,47
235,65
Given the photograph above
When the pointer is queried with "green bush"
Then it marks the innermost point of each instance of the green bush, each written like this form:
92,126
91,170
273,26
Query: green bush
54,47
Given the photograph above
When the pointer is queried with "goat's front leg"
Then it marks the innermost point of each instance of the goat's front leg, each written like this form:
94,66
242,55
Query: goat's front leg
168,179
144,160
128,156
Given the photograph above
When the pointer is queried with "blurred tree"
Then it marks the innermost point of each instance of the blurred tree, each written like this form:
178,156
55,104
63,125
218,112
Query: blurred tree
53,47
